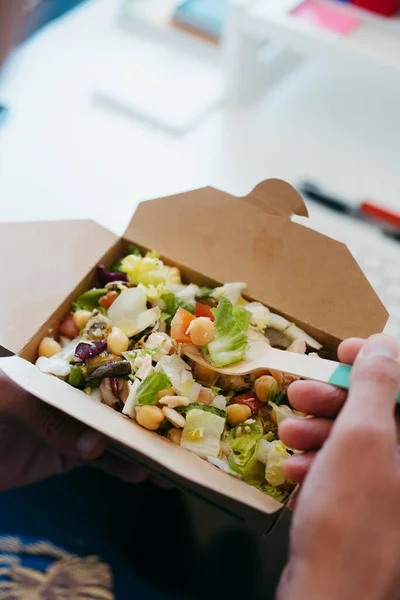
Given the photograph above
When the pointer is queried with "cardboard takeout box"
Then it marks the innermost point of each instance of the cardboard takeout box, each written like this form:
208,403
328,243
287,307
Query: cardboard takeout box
213,237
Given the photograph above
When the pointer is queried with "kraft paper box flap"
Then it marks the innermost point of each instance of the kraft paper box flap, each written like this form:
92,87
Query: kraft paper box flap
291,268
40,265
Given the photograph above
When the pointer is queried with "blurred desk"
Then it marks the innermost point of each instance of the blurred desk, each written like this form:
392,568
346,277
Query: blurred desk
63,156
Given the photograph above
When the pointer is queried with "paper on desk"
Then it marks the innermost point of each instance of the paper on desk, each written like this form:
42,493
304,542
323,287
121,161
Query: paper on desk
327,17
158,84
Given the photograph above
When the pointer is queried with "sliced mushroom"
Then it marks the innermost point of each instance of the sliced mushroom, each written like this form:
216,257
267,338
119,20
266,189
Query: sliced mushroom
97,328
277,338
101,359
112,369
234,383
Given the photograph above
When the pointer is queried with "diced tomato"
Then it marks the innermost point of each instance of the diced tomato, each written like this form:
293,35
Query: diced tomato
68,327
180,324
249,400
202,310
108,299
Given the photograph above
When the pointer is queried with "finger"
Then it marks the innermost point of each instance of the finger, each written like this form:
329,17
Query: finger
374,386
63,433
297,466
117,467
348,350
315,398
304,434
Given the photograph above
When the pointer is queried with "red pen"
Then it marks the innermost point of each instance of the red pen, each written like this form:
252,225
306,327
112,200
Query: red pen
387,220
378,213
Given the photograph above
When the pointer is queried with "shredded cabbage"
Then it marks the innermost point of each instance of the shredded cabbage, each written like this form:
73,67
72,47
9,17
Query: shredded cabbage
181,376
259,315
148,389
150,271
277,454
230,334
232,291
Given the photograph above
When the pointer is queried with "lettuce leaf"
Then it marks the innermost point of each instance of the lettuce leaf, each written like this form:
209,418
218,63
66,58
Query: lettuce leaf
275,492
76,376
230,337
172,303
147,390
206,407
276,456
243,447
253,471
90,299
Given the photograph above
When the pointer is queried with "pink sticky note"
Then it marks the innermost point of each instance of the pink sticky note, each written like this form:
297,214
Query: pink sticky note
327,17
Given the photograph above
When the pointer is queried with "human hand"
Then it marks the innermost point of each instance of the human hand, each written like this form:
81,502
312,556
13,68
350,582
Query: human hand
345,540
38,441
324,402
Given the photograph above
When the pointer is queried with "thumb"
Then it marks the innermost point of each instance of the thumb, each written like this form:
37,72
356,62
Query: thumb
374,386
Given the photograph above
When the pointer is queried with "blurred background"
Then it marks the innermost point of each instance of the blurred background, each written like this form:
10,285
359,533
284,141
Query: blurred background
111,102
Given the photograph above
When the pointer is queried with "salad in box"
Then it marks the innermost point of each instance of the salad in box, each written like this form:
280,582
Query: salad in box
120,366
123,342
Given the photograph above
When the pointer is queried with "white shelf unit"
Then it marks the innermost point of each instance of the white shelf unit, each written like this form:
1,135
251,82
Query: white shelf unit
374,45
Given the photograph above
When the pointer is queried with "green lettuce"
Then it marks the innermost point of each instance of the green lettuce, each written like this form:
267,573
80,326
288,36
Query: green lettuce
172,303
204,292
253,471
275,492
243,446
276,456
206,407
147,390
76,376
230,334
90,300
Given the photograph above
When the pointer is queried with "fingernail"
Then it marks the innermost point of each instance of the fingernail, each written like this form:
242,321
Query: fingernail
380,345
87,442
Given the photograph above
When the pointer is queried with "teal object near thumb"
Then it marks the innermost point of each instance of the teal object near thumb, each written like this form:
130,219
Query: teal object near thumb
341,378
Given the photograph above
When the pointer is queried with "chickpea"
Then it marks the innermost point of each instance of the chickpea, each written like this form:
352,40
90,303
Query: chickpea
263,385
175,435
163,393
81,317
48,347
201,331
278,376
237,413
150,417
117,341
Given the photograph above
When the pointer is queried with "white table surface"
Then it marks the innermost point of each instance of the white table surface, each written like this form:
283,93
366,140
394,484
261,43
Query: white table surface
63,156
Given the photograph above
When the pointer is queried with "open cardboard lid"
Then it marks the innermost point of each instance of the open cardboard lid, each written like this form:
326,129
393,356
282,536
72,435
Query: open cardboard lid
40,265
291,268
